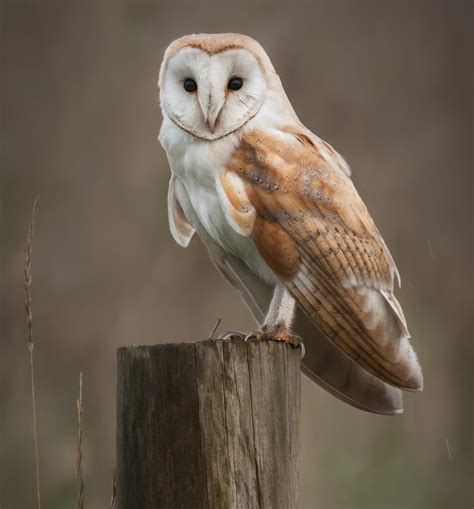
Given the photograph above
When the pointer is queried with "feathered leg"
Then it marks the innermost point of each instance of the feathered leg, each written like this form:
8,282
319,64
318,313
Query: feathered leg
279,319
281,309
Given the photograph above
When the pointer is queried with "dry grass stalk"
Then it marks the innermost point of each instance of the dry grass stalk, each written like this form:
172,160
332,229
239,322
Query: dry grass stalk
114,492
30,343
214,330
80,433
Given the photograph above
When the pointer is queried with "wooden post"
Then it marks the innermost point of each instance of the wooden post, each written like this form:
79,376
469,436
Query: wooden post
213,425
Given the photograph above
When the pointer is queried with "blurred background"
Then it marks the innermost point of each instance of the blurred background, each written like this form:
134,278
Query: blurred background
388,83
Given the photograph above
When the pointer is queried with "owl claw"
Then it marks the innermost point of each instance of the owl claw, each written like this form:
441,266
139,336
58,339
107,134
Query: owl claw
230,335
253,336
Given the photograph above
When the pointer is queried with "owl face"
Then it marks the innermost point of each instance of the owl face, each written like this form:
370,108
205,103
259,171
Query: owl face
211,91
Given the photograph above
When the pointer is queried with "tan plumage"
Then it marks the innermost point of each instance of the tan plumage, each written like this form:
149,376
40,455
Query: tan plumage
314,231
282,219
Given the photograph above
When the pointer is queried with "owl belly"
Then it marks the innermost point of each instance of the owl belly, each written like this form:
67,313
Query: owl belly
203,210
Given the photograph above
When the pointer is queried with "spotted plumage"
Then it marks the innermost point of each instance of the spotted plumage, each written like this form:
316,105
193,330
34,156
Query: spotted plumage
282,219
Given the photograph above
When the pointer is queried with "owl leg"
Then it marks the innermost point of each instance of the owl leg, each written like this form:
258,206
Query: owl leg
279,319
281,310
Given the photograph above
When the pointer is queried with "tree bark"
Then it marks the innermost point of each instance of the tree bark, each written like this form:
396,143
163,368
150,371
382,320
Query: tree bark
213,424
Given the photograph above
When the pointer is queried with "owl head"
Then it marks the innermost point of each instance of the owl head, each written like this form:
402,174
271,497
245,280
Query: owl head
213,84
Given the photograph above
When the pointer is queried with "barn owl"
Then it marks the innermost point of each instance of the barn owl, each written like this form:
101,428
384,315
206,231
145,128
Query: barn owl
276,207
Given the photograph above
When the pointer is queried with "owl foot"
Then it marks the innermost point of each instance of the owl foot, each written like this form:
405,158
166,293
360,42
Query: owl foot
268,333
278,332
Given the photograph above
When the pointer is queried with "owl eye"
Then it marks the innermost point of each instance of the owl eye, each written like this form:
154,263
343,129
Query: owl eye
190,85
235,83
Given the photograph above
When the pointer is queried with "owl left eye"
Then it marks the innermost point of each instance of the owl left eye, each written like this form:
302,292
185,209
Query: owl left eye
235,83
190,85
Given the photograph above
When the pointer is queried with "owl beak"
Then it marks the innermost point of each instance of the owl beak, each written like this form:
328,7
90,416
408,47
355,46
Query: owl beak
212,115
211,107
211,122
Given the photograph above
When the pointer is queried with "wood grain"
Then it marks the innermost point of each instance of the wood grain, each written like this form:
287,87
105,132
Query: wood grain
213,424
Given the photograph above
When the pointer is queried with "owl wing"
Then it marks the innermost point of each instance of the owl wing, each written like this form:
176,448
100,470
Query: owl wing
314,231
180,228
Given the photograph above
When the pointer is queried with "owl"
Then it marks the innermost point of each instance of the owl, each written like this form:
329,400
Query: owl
276,207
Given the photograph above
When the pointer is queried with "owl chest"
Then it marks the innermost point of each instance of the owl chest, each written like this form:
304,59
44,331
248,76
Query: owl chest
204,211
197,168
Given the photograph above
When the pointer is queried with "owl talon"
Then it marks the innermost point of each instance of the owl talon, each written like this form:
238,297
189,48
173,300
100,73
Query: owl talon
253,336
233,335
303,350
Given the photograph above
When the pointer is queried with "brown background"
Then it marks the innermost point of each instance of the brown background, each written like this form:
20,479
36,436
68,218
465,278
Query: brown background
386,82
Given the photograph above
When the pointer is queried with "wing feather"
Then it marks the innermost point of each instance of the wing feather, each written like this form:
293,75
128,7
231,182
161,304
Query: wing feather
180,228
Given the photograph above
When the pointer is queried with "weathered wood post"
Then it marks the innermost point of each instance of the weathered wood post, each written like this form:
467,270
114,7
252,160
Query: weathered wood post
213,424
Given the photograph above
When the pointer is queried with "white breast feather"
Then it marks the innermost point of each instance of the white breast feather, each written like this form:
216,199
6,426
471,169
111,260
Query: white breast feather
197,164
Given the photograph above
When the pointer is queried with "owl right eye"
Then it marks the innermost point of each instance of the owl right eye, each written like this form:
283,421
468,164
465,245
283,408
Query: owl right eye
190,85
